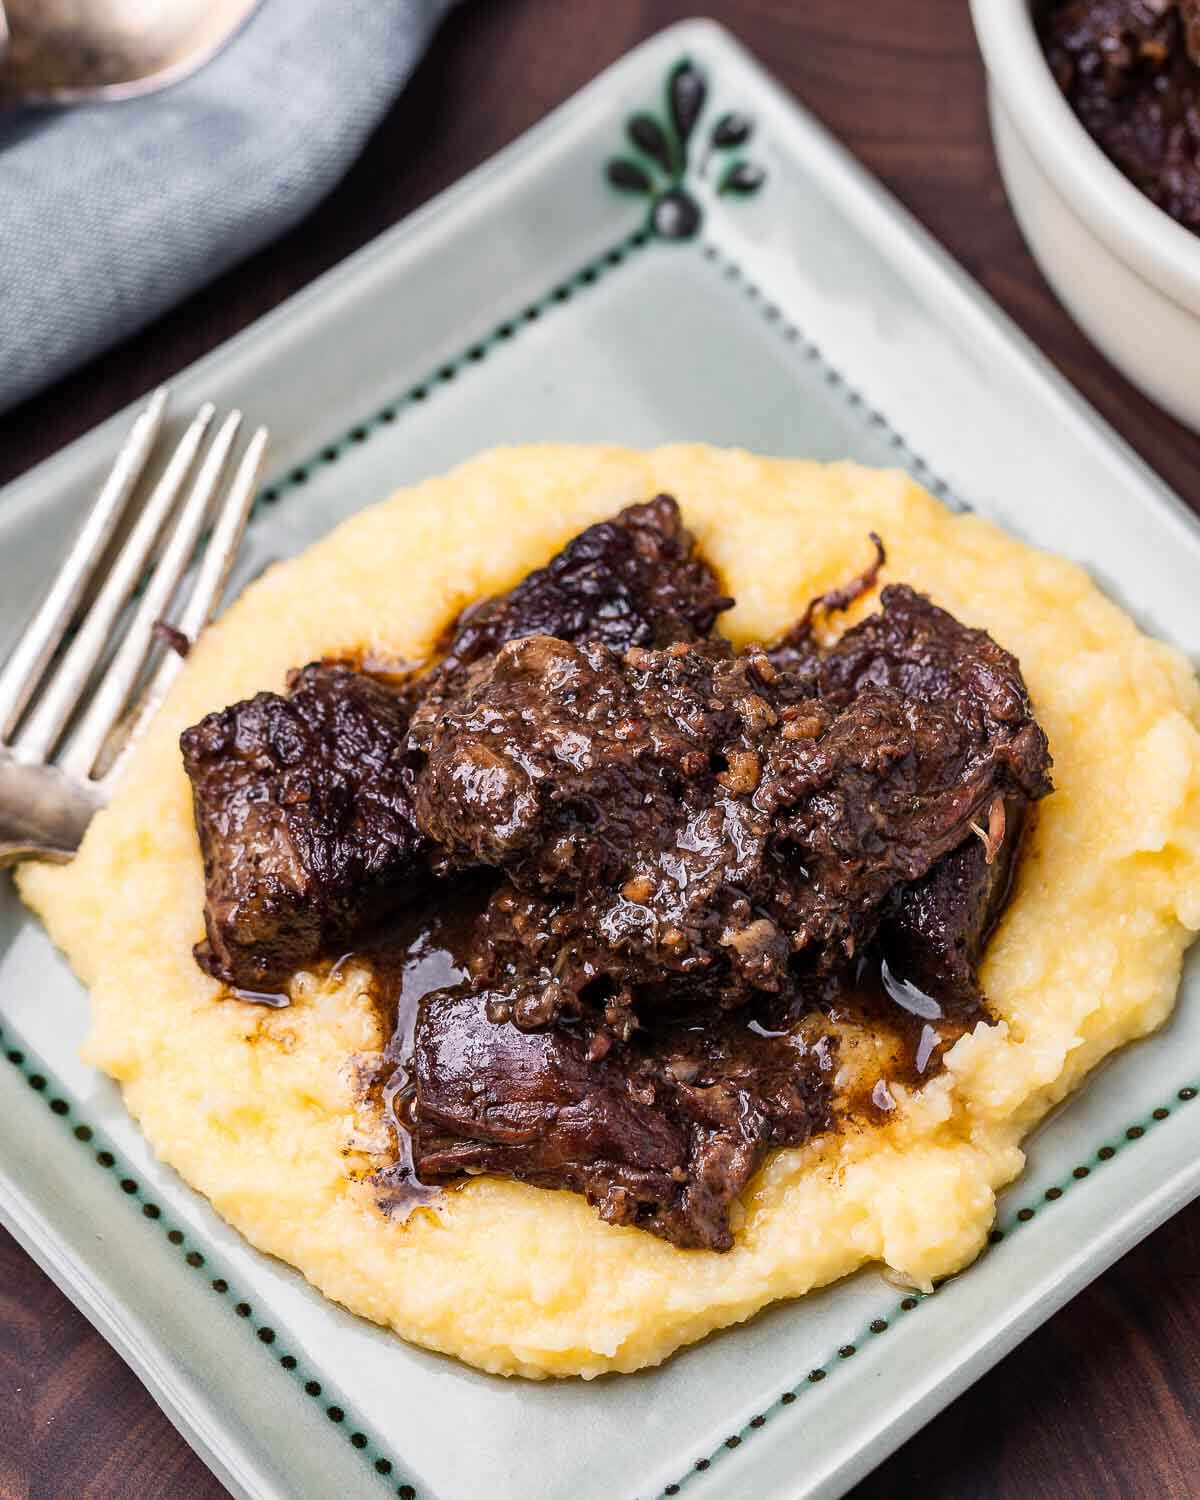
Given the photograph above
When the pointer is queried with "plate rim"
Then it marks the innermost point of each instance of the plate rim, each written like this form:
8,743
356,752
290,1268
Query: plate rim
1124,1231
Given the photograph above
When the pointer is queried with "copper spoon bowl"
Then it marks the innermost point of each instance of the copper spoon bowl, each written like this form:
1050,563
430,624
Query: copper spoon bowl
83,51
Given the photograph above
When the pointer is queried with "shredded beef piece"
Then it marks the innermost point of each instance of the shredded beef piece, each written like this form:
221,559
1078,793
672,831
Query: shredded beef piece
676,822
560,761
631,581
934,931
1189,17
916,648
304,813
663,1133
542,959
797,655
1130,69
624,782
933,725
875,801
940,924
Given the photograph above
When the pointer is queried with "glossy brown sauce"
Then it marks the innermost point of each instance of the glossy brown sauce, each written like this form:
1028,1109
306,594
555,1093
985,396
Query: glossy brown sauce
423,951
426,950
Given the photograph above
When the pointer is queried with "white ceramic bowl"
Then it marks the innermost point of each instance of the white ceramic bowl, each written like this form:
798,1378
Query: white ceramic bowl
1126,271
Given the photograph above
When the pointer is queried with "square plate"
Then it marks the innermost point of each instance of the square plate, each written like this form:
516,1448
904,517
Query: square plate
798,311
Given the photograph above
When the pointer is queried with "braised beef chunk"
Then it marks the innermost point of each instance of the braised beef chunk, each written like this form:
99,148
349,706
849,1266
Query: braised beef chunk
940,924
532,1104
933,728
624,781
662,1133
631,581
686,820
683,830
304,813
874,801
934,931
619,788
543,959
924,652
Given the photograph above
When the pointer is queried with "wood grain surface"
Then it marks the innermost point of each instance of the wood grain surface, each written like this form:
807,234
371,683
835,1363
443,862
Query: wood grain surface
1105,1399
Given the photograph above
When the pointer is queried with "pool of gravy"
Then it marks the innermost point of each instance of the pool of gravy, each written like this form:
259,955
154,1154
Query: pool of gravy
426,949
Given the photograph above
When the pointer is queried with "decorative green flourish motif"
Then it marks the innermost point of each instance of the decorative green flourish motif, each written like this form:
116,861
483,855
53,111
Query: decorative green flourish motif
659,169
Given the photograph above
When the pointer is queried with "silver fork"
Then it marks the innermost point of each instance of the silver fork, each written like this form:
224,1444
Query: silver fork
48,794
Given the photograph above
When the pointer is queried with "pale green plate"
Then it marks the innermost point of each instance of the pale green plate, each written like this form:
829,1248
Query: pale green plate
805,315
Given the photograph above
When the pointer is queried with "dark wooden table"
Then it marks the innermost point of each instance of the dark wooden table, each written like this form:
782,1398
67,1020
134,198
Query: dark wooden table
1105,1399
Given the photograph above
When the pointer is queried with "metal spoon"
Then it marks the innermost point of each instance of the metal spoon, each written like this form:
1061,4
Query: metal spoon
76,51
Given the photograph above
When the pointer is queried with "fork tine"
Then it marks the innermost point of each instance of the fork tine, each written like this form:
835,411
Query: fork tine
111,694
52,710
224,542
25,666
206,591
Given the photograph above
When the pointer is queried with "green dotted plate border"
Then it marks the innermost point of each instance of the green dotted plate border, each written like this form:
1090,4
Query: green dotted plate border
100,1150
879,1326
57,1099
561,293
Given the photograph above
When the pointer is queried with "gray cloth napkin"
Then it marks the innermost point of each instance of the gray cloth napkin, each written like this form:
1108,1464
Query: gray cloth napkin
111,213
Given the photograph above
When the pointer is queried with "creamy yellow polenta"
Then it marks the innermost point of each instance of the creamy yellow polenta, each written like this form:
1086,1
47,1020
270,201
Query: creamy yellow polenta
261,1110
